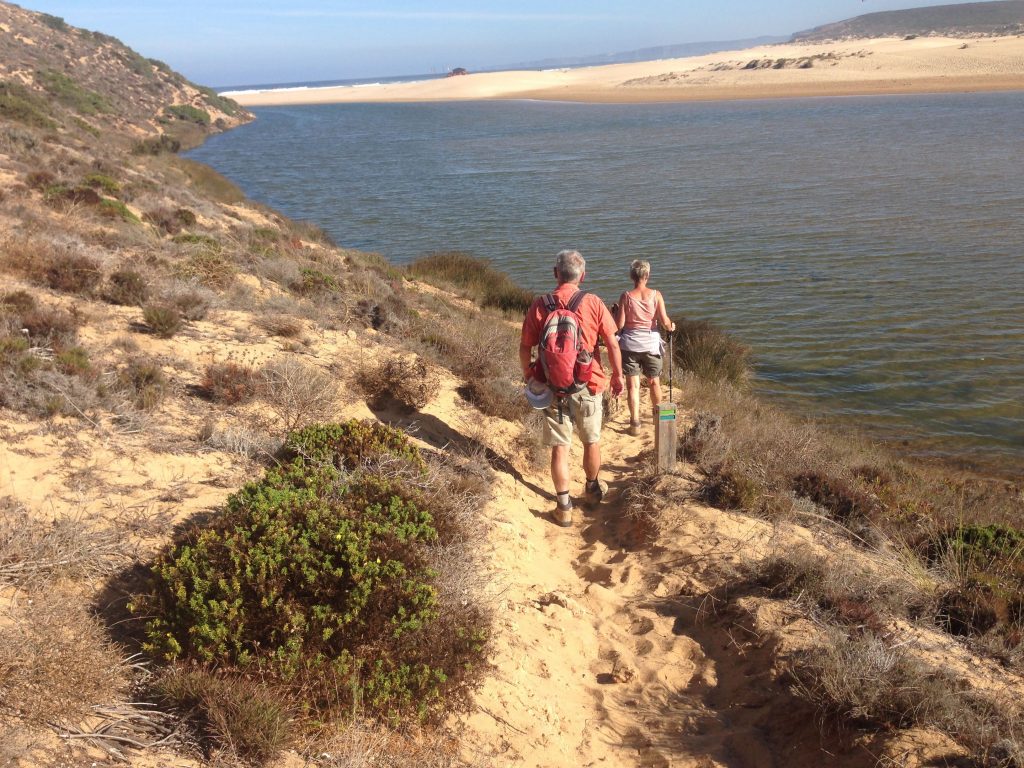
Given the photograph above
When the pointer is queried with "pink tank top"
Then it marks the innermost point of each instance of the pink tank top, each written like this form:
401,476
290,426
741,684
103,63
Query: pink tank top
641,314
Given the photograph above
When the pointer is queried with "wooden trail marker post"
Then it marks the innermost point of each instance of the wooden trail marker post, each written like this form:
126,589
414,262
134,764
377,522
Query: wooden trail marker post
665,424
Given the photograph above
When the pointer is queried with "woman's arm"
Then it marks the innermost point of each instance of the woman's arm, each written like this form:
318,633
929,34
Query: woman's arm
663,318
620,314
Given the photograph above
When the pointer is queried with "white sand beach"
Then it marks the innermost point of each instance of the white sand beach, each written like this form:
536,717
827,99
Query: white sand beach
850,67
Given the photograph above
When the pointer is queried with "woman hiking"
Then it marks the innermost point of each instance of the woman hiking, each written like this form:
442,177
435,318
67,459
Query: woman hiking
639,313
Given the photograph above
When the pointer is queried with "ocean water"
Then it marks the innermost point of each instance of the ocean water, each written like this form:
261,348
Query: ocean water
870,250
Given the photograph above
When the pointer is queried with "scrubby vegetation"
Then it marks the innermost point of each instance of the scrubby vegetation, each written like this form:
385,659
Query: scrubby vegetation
474,277
319,578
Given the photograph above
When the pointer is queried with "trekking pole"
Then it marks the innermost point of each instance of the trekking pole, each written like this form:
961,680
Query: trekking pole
671,354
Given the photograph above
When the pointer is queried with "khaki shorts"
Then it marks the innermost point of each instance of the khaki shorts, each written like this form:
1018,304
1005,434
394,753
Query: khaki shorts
634,362
582,410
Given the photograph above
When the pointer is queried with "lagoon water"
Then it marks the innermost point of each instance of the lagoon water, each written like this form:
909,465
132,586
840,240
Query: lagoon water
870,250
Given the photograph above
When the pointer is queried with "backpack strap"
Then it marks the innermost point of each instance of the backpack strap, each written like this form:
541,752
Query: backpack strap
576,300
550,303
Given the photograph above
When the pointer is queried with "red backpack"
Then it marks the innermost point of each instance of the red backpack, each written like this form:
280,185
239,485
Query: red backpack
564,363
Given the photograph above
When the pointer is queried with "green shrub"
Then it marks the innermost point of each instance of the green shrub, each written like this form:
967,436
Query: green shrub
481,282
315,281
115,209
104,182
319,580
127,288
68,92
164,320
157,145
73,361
209,182
189,114
21,105
218,102
53,22
350,444
709,353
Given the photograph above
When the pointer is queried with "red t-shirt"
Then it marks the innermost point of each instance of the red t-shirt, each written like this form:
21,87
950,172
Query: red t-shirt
596,321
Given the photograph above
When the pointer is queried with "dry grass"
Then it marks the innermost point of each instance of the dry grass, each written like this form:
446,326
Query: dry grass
297,392
476,278
56,661
364,743
868,680
34,553
233,716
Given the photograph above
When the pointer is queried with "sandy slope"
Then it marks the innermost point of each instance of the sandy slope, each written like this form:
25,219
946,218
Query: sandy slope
887,65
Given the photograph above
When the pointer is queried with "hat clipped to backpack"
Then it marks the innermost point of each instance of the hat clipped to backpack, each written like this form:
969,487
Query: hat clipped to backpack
539,394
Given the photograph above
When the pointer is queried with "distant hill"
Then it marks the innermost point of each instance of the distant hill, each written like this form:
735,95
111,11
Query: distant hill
994,18
55,74
648,54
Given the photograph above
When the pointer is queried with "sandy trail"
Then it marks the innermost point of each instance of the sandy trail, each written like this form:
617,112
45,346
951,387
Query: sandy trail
605,652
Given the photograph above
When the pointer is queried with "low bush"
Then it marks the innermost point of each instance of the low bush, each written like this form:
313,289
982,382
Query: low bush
475,277
210,183
313,281
157,145
170,221
297,392
193,303
209,267
126,287
318,578
709,353
163,320
115,209
230,383
188,113
144,382
73,273
47,326
868,681
410,382
68,92
285,326
101,181
496,396
19,104
73,361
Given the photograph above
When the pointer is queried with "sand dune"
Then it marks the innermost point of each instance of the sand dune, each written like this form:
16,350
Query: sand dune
876,66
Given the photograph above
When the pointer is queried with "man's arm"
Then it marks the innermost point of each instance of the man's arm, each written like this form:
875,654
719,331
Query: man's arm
526,359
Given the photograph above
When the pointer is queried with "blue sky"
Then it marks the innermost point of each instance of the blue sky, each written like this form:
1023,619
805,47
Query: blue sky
236,42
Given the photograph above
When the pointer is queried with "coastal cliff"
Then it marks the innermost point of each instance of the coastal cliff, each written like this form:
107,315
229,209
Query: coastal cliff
176,360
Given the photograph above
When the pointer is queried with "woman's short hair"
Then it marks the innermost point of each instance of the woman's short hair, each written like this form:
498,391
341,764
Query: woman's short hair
639,270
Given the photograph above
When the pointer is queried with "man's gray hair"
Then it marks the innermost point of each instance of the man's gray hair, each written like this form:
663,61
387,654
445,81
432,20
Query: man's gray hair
570,265
639,270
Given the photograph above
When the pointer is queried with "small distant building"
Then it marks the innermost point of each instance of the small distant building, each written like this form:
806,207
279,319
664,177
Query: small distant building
458,71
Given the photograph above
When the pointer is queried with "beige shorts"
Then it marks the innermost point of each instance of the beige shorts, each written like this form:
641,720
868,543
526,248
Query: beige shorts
582,411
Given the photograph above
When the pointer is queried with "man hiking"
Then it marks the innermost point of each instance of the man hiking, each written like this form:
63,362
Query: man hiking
552,324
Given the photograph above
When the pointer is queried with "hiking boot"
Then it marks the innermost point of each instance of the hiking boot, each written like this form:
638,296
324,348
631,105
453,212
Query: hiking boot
562,515
594,492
